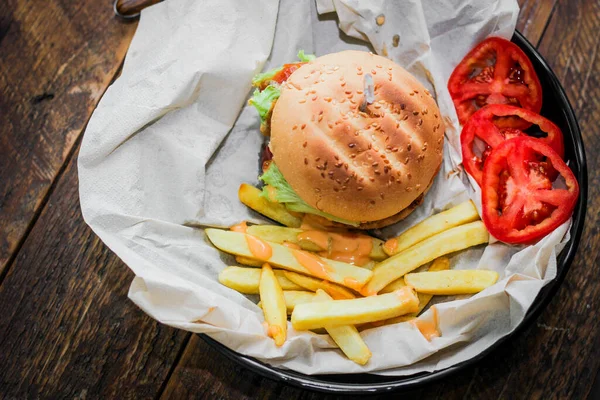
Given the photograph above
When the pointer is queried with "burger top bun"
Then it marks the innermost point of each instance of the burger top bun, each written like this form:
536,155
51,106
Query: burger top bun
360,166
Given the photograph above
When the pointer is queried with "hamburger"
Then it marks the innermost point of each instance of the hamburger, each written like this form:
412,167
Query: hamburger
355,139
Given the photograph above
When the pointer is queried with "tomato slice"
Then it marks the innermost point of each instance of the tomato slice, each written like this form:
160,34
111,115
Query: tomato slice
282,75
496,71
486,125
521,204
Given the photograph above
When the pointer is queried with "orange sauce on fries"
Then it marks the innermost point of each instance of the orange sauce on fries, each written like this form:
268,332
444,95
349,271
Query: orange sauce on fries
242,227
259,248
291,245
351,248
391,245
312,263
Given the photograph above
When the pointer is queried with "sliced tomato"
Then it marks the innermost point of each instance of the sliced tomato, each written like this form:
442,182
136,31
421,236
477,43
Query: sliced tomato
496,71
486,125
282,75
521,204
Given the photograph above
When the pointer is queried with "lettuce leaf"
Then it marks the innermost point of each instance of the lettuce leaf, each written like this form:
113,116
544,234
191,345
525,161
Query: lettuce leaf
263,100
265,76
286,195
305,57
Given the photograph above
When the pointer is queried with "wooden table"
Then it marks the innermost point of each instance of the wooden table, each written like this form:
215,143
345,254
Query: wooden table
67,328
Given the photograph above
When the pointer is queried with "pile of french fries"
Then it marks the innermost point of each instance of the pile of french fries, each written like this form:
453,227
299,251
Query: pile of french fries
339,298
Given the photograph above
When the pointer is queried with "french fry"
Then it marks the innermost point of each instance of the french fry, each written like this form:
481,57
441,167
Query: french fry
355,311
293,298
281,234
454,239
273,305
439,264
458,215
346,337
451,282
246,280
336,291
250,196
250,262
293,260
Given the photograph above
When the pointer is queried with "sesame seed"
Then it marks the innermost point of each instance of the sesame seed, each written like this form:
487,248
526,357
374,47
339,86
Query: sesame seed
402,106
420,122
359,68
351,145
378,66
314,98
303,126
322,174
409,147
375,164
381,195
359,73
336,68
359,188
302,101
336,189
359,92
330,173
374,72
306,161
377,172
408,189
405,118
330,125
327,99
320,118
295,127
372,201
304,144
415,113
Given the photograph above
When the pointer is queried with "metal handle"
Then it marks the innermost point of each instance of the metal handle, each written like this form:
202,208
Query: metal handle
130,9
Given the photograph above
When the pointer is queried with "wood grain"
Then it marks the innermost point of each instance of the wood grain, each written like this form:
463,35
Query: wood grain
533,18
57,59
67,328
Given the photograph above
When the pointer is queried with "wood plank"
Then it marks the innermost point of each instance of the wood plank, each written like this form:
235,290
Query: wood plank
576,61
58,57
533,18
192,375
67,328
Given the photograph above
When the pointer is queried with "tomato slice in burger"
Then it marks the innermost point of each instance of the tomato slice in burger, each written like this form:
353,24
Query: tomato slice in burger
495,72
282,75
521,204
485,130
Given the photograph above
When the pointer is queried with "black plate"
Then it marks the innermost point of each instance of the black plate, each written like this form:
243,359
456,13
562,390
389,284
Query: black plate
557,108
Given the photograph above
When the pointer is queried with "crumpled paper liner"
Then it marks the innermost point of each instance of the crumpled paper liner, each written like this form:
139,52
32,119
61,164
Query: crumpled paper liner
172,139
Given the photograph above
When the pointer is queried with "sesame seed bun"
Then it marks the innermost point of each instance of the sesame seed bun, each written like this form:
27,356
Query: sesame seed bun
363,167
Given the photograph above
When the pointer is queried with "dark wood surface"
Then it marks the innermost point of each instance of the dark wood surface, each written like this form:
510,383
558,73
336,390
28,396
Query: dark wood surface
67,329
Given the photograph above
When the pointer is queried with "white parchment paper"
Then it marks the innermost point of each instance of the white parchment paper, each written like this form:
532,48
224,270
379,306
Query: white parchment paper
172,139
